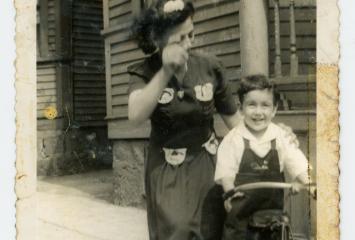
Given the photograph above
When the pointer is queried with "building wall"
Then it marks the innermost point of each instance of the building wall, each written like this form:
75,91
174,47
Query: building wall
129,157
70,80
49,89
46,88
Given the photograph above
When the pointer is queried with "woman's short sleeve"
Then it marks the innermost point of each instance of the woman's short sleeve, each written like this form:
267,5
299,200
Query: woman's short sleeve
225,103
137,78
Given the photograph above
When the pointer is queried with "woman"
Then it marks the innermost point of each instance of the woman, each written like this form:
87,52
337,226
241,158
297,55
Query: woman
179,92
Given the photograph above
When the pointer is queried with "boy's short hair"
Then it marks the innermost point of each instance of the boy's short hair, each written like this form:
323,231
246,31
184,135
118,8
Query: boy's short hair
257,82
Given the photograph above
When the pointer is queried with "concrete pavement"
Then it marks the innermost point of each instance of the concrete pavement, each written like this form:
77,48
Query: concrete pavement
79,207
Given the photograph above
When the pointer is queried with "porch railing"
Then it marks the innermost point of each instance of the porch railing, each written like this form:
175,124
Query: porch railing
293,46
288,81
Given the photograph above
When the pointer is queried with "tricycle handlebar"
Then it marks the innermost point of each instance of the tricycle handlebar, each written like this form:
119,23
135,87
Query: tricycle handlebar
263,185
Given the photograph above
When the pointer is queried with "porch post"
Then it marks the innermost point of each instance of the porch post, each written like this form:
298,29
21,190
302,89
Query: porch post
254,37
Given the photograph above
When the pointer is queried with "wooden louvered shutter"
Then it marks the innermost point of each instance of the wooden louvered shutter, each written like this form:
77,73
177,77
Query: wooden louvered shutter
88,63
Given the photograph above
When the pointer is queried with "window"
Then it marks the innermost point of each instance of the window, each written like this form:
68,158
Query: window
42,28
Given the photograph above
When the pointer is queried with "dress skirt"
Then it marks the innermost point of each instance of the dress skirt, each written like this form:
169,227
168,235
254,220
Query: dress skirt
183,201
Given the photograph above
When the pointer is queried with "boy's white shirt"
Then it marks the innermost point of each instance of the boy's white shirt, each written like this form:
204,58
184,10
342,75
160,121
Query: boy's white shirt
231,149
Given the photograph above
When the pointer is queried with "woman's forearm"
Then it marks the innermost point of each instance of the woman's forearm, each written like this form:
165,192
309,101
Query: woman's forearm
227,184
141,103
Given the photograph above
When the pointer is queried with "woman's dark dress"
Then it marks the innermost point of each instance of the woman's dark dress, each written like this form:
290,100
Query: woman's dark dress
183,201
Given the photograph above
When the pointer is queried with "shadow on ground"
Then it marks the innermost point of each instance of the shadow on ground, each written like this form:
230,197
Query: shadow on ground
79,207
96,184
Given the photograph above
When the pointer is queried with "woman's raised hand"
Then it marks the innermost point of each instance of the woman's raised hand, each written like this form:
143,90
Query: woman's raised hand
174,58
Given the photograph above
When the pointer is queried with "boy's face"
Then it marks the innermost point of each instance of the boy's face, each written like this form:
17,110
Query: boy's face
258,110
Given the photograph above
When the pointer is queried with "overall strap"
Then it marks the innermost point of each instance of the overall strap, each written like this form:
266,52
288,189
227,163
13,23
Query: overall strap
273,144
246,143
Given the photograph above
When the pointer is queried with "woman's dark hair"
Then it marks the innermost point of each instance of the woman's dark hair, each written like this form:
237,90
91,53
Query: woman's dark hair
153,23
257,82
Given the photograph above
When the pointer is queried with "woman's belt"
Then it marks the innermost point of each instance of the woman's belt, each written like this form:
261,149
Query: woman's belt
176,156
181,137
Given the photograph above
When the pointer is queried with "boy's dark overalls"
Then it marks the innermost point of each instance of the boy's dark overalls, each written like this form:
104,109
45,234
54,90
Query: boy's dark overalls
254,169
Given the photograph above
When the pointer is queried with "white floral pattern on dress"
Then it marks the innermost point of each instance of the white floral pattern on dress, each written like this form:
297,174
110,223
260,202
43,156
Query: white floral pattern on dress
204,92
166,96
175,157
211,145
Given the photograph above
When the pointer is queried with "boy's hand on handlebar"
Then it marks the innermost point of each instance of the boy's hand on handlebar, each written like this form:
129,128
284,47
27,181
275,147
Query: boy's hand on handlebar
228,202
296,187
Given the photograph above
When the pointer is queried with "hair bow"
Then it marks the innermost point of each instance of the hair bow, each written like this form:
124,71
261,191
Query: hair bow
173,5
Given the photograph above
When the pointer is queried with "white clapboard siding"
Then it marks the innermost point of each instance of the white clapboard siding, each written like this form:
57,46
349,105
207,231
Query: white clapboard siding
46,88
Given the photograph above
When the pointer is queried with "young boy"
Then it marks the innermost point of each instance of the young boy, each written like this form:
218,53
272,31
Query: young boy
254,151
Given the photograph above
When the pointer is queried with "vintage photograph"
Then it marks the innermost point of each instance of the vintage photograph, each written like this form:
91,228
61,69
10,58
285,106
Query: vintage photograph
176,119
